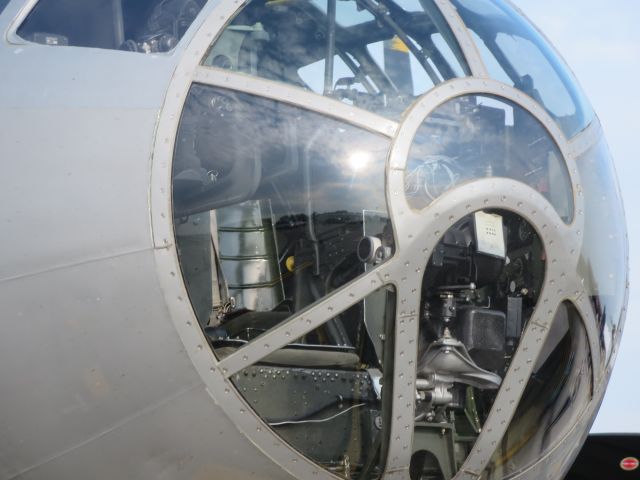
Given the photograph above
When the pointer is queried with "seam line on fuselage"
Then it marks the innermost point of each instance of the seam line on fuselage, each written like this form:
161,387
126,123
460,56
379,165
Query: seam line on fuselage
74,264
121,423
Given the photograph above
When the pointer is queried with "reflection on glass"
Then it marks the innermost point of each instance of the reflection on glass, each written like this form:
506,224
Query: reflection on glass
323,400
479,290
478,136
558,391
516,53
375,55
145,26
603,258
271,205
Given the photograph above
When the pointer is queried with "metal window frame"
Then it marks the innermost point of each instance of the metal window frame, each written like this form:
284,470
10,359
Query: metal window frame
296,96
403,271
465,40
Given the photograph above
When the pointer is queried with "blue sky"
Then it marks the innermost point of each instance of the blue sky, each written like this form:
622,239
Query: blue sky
601,43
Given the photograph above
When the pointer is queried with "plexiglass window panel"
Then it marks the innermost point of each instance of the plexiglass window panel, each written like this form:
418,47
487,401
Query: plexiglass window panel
328,402
558,391
477,136
516,53
603,258
3,3
374,55
478,294
271,203
146,26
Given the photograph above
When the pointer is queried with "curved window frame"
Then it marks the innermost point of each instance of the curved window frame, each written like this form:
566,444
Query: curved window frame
402,43
216,374
495,106
552,60
605,279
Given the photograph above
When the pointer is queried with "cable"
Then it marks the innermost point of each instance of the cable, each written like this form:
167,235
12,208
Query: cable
295,422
